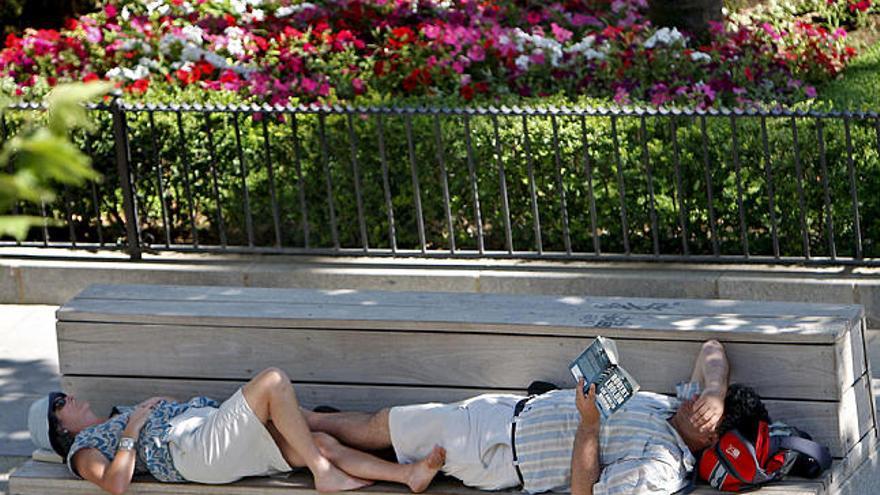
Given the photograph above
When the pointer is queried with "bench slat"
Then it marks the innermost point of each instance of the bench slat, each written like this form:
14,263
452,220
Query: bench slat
363,356
693,307
40,478
564,321
820,419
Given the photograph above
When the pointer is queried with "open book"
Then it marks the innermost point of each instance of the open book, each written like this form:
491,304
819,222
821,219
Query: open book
599,364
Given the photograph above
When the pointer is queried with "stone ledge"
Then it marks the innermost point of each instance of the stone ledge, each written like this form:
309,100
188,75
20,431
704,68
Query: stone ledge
52,276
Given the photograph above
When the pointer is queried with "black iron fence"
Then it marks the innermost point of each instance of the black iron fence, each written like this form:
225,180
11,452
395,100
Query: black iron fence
562,183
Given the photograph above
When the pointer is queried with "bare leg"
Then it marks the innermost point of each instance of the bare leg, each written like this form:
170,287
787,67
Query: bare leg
270,395
368,431
416,476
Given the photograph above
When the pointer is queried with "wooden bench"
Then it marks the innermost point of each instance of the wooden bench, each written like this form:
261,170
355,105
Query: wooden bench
363,350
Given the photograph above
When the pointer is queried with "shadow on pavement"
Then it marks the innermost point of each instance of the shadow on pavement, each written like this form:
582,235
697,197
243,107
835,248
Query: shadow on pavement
21,382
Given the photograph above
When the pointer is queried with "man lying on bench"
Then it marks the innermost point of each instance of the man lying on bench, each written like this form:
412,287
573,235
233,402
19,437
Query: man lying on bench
554,444
553,441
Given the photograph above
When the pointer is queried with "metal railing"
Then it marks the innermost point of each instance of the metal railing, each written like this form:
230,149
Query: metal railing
550,183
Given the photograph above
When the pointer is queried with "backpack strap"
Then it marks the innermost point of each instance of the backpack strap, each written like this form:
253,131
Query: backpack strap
809,448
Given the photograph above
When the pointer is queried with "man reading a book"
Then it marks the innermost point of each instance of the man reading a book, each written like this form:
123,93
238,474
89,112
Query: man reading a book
556,441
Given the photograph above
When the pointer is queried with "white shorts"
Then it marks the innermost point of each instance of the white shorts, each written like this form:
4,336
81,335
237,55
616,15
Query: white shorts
211,445
474,432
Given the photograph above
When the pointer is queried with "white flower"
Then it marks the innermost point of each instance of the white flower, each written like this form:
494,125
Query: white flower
139,72
190,53
239,6
701,57
125,14
665,36
193,33
258,15
235,47
152,6
522,62
234,32
293,9
148,62
582,45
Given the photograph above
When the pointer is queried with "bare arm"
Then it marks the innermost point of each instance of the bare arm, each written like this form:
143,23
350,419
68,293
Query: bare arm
712,371
585,457
114,476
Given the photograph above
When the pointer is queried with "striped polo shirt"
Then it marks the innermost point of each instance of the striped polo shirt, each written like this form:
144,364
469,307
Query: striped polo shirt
639,451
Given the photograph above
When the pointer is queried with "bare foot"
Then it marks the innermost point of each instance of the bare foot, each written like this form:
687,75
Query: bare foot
335,480
423,472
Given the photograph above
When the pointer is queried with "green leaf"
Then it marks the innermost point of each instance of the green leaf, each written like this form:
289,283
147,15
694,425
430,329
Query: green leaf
17,226
51,156
66,101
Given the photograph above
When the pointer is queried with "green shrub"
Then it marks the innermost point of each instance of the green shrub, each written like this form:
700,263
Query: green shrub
679,196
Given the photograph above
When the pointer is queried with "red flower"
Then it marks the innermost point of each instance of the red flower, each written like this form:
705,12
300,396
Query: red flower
52,81
611,32
204,67
481,87
467,92
749,75
91,76
140,86
861,6
70,24
12,41
190,76
415,78
401,36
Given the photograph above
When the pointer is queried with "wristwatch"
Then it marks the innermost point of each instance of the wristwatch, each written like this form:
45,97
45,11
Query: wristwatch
126,443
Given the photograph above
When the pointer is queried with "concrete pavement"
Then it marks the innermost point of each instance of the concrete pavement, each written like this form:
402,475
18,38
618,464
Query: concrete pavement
28,369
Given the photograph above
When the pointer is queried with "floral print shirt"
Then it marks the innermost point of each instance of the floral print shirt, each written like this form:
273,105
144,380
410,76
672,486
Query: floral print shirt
153,454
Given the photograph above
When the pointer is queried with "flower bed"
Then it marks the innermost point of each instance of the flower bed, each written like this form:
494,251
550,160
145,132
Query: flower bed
374,50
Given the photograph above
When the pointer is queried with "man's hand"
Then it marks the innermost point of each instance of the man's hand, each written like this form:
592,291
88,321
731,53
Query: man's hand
707,410
586,405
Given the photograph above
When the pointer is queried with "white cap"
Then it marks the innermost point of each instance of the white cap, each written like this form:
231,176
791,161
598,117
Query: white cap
38,423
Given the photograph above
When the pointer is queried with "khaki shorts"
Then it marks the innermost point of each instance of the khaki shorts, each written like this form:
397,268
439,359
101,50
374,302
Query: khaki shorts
222,445
474,432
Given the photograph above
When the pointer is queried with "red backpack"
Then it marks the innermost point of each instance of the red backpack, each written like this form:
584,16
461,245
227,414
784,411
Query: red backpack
734,464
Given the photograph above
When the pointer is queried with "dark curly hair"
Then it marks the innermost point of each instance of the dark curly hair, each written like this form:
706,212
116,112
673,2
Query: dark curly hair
743,410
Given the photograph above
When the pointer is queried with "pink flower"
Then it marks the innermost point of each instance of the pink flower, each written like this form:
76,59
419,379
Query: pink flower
308,85
621,96
432,32
359,86
810,91
560,33
769,29
537,58
476,53
110,11
94,35
579,20
533,18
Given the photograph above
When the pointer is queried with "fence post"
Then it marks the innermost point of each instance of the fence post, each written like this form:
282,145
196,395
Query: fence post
120,139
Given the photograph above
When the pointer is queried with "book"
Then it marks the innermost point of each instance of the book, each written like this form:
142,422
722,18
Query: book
600,364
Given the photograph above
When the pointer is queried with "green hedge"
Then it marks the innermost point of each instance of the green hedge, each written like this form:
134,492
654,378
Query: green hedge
670,203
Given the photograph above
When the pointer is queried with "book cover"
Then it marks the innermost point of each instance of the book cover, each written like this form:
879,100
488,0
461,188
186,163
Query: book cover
599,364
